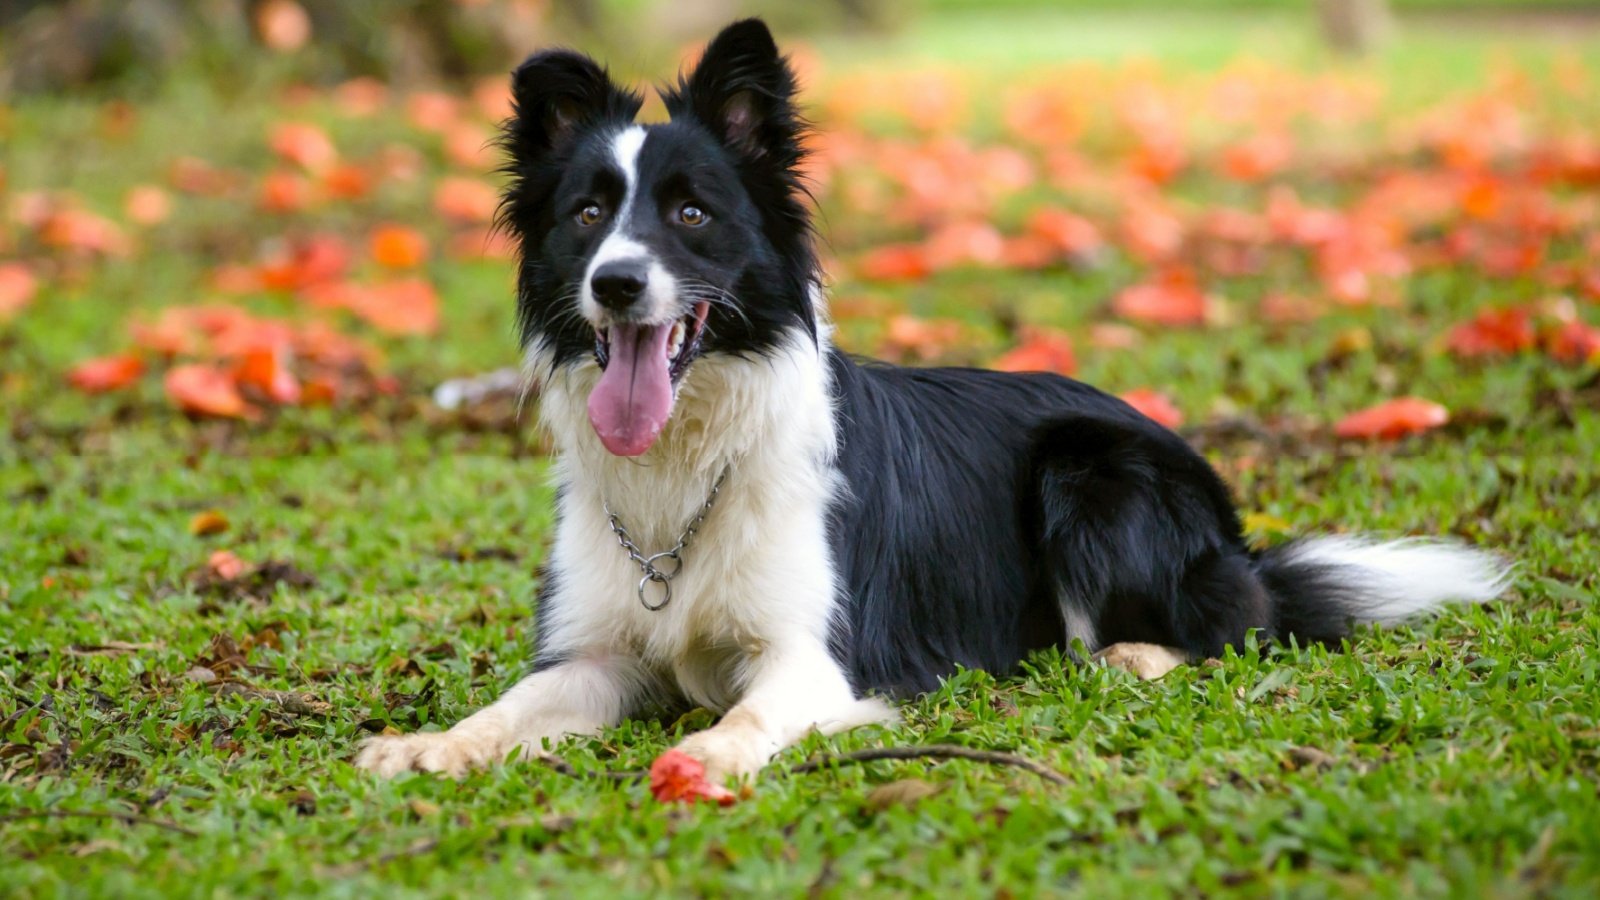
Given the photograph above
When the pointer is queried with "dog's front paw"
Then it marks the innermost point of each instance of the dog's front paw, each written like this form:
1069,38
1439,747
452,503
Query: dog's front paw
1146,661
728,753
453,752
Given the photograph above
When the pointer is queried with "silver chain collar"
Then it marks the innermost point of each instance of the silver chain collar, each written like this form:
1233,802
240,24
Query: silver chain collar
650,564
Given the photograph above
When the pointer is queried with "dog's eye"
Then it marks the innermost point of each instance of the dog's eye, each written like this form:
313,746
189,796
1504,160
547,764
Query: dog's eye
590,214
692,215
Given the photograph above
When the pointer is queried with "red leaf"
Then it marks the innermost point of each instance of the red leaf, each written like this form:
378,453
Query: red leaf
1393,419
267,370
1154,405
207,391
283,25
465,200
1493,332
1042,350
677,777
409,307
17,288
397,246
1172,298
305,145
895,262
1073,234
226,564
1573,342
107,373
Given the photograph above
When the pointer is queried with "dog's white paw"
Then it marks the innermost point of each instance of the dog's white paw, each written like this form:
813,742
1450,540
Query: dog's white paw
453,752
1146,661
728,753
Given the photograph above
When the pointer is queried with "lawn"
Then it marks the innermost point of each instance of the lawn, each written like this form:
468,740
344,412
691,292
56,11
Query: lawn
203,610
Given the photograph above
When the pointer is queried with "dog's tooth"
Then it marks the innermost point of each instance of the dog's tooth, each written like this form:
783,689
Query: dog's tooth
675,340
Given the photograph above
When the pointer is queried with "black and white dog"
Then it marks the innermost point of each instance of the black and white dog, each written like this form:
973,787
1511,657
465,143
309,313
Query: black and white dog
754,522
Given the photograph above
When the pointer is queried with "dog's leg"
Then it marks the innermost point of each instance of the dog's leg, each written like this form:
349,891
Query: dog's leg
577,696
1147,661
792,690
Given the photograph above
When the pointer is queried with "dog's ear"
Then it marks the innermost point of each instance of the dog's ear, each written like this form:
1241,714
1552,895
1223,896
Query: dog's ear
555,93
743,90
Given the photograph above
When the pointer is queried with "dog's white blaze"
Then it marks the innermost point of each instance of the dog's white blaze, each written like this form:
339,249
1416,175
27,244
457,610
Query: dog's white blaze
1397,580
619,245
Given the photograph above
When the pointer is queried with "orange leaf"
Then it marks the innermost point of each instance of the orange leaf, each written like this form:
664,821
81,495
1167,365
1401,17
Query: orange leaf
17,288
207,523
677,777
928,338
304,145
1042,350
470,146
1172,298
465,200
1493,332
431,110
397,246
207,391
1073,234
107,373
894,262
408,307
1154,405
283,25
347,181
267,370
1393,419
964,243
147,204
226,564
75,229
1573,342
283,192
361,97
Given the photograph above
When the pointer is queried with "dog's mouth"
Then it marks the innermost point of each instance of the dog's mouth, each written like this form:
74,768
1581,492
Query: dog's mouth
641,365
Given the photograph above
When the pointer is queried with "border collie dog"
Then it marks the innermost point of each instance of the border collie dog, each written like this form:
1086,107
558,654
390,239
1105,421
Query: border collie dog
752,521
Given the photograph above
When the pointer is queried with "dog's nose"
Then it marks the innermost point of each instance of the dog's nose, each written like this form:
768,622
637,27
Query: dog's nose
617,285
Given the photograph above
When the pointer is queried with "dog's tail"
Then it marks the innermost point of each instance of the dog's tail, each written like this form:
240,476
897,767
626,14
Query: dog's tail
1323,586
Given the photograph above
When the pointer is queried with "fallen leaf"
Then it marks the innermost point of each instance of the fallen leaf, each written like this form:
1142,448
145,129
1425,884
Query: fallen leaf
905,792
147,204
1393,419
106,373
207,523
266,369
17,289
677,777
1493,332
1041,350
208,391
304,145
1573,342
282,25
397,246
1154,405
465,199
225,564
895,262
1171,298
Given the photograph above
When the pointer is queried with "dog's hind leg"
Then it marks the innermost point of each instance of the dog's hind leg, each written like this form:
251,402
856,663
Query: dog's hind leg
1140,544
579,695
1146,661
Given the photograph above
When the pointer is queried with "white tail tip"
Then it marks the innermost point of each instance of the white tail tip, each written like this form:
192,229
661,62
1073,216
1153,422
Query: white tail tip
1399,580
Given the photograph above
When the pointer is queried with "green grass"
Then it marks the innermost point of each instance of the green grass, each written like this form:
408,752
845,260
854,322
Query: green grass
1454,758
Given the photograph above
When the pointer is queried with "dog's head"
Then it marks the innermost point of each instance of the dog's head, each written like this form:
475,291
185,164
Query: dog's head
647,247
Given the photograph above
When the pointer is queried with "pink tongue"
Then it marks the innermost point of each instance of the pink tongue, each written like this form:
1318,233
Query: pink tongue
634,397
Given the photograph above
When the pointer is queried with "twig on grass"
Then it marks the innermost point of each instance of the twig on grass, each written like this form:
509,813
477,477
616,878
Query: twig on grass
128,818
932,751
818,763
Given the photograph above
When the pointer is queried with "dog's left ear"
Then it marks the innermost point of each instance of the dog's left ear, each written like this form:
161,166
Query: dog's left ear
743,90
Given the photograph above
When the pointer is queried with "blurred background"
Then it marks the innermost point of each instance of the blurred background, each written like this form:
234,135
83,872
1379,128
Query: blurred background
242,207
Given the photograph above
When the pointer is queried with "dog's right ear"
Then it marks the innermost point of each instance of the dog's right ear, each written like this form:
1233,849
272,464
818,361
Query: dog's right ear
555,93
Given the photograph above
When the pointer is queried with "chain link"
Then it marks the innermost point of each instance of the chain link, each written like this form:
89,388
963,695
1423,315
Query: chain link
650,565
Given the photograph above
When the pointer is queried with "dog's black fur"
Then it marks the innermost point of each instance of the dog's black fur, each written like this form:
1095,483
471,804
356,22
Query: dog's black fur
976,506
